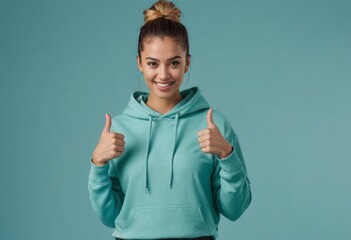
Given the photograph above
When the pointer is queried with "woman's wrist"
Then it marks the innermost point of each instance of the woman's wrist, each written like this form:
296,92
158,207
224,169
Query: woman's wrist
227,152
97,163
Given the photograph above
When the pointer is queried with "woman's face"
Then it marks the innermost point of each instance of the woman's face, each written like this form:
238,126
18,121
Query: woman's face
163,63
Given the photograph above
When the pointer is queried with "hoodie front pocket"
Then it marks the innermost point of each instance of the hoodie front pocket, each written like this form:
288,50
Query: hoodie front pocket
171,219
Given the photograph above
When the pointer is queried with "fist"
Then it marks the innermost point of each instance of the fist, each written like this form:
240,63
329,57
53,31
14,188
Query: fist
212,141
110,145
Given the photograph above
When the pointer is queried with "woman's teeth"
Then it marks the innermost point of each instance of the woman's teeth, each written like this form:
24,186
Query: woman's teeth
164,84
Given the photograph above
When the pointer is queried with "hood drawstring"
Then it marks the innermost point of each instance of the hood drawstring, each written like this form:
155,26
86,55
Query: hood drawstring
148,148
147,154
173,150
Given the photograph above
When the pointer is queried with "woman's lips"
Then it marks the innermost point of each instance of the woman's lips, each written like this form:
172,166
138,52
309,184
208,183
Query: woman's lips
164,86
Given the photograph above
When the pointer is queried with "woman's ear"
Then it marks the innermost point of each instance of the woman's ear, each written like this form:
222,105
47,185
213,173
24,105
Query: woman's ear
187,64
139,64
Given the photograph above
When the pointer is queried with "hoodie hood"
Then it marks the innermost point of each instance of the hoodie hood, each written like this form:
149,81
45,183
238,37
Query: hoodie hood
192,102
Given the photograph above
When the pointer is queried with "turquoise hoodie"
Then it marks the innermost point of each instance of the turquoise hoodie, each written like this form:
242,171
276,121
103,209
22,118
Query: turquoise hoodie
164,185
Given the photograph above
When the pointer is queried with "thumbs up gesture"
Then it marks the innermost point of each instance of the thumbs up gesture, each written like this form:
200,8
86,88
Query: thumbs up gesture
110,145
212,141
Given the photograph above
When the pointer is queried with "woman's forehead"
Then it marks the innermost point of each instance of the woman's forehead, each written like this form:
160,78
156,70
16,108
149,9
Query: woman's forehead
162,48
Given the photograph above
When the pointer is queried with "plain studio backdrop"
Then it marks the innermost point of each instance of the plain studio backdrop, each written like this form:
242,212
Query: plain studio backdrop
280,71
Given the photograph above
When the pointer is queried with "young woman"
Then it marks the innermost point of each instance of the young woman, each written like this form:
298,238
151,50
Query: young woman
169,164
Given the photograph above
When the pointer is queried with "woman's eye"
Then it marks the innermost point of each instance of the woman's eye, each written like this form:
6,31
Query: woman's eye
175,63
152,64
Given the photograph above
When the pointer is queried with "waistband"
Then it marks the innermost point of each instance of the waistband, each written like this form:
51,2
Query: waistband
198,238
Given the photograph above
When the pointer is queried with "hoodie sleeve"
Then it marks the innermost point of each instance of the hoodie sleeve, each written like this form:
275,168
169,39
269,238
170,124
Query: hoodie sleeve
230,183
105,192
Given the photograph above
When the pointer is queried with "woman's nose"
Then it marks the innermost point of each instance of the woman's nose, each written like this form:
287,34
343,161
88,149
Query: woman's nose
163,74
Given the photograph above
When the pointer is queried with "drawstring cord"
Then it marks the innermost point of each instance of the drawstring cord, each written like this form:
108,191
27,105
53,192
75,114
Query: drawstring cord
174,143
147,154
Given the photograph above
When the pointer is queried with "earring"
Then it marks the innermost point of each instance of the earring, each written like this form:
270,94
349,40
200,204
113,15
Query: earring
187,78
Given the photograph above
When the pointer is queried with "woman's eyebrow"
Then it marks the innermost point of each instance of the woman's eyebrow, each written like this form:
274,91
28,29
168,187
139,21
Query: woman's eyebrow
167,60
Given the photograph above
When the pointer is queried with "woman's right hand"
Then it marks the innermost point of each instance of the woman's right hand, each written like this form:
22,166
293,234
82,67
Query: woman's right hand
110,145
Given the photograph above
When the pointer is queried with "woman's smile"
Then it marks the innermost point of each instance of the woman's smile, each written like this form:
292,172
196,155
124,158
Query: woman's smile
164,86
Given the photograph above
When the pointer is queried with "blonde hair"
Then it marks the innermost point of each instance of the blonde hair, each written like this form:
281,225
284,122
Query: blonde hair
162,8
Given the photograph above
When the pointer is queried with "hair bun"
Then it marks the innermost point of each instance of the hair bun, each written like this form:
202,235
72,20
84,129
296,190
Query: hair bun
162,8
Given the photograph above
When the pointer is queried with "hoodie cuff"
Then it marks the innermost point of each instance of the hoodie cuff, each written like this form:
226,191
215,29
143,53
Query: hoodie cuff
99,174
231,163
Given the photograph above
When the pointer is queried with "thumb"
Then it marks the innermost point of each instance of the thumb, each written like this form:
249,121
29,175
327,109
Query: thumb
107,123
210,122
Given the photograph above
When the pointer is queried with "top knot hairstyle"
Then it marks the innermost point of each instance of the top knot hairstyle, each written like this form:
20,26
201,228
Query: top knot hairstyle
160,20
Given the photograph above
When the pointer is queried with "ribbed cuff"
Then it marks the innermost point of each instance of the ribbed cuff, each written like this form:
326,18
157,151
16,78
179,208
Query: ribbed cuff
99,174
231,163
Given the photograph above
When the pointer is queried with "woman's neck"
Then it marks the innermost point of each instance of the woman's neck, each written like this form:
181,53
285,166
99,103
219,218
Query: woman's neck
163,105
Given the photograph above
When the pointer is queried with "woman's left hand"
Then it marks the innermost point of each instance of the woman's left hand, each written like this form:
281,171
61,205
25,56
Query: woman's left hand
212,141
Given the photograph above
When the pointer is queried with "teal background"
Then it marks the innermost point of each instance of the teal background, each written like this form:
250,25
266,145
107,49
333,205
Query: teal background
279,70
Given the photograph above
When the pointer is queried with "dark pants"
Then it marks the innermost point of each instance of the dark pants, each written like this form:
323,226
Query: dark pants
198,238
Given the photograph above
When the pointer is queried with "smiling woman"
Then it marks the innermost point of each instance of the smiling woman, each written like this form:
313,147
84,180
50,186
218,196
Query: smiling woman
163,64
169,165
